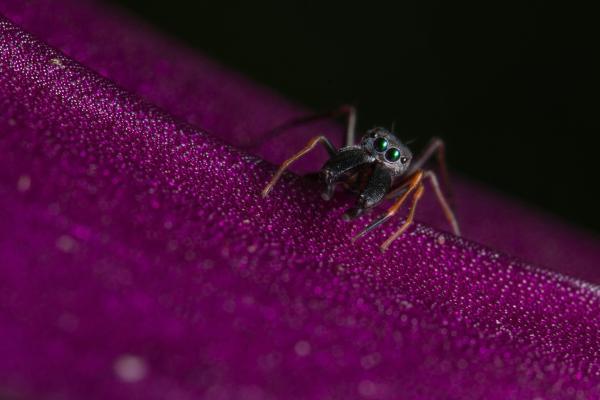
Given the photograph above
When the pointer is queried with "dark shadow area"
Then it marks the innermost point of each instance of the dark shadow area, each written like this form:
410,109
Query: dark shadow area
510,87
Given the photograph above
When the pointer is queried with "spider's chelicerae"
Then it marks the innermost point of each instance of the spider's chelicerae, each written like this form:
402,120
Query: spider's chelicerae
378,168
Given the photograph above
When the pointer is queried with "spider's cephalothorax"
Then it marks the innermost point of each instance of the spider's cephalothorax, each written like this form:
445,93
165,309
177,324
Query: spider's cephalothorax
368,168
379,167
386,149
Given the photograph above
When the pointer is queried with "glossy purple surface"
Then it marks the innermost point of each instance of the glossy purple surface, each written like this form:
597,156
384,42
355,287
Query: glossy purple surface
137,259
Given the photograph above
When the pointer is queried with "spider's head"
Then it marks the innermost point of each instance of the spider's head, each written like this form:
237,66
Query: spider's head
387,149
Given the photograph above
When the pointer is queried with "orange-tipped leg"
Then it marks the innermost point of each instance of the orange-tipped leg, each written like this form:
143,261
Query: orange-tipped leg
311,145
409,218
410,186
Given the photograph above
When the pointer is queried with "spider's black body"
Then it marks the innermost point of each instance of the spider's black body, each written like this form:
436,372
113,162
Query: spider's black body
378,167
366,169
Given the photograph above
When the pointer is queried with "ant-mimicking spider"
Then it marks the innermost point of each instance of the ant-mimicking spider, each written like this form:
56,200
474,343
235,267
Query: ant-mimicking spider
378,168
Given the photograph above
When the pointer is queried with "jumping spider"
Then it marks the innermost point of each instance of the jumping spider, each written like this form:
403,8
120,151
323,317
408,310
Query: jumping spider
378,168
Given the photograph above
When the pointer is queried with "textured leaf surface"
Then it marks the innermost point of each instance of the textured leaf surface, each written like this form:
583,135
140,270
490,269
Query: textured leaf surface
138,260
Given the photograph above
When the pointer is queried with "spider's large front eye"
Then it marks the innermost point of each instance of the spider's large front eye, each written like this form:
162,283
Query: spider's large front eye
392,154
380,144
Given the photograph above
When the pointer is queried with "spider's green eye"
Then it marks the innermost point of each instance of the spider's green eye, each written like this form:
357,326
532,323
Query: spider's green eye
392,154
380,144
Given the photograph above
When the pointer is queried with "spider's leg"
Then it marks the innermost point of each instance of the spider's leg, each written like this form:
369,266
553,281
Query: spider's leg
311,145
436,147
409,218
351,125
410,185
443,202
398,191
345,110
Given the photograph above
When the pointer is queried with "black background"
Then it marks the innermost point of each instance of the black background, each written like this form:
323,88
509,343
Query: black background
510,87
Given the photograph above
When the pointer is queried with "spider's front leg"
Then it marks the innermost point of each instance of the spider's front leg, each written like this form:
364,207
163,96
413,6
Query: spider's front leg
404,191
418,193
414,185
441,198
416,197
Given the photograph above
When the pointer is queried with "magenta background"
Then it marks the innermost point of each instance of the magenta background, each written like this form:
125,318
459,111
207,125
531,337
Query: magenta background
143,234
